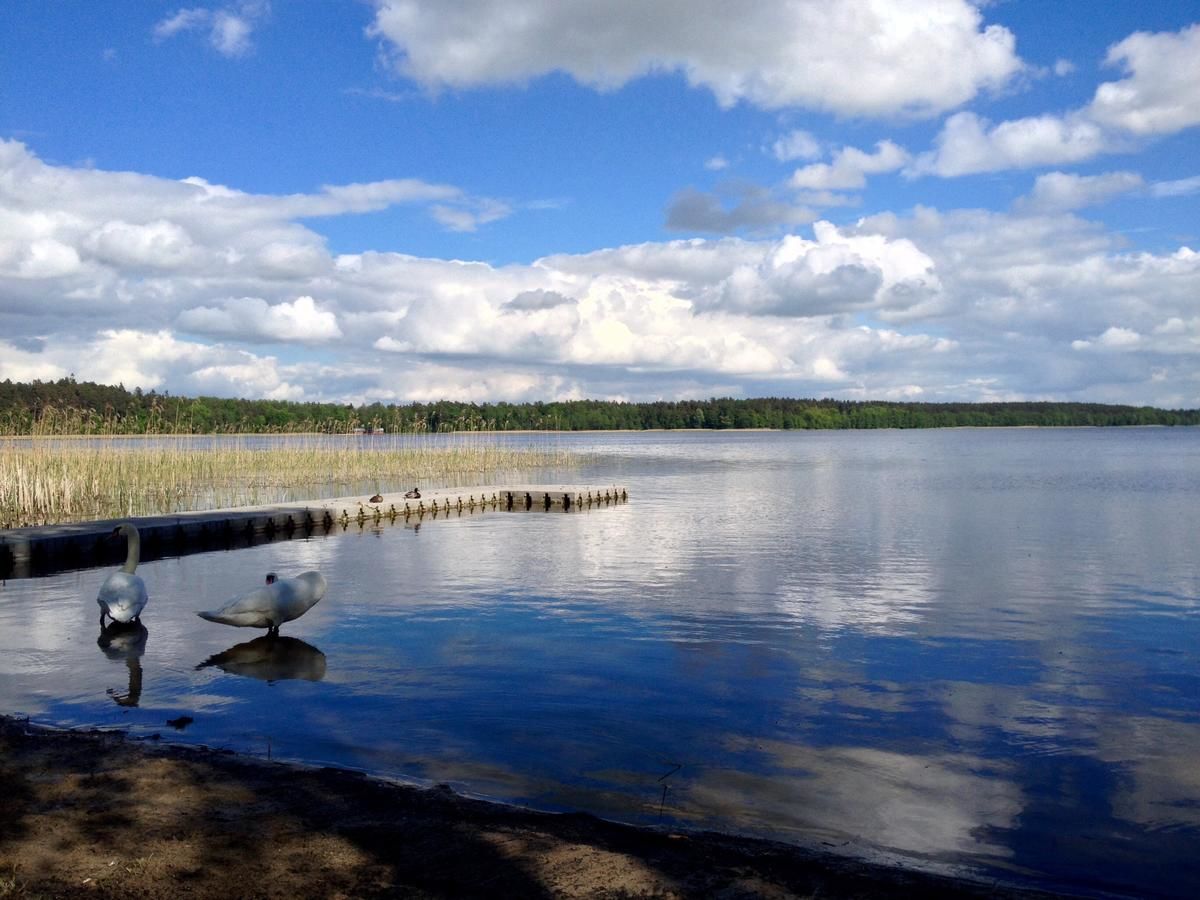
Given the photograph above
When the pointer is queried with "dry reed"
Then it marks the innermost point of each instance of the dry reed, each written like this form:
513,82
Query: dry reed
50,478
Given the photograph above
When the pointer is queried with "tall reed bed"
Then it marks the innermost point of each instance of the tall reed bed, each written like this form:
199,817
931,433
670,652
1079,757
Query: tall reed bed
50,477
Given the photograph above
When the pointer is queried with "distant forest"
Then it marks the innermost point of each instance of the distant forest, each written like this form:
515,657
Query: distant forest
68,406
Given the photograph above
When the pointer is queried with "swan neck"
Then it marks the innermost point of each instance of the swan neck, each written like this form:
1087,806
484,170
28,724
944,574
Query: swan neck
134,548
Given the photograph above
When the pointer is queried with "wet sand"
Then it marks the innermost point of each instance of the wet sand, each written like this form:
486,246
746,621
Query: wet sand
96,814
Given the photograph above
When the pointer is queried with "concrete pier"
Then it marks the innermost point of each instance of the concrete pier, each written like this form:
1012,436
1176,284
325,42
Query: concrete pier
26,552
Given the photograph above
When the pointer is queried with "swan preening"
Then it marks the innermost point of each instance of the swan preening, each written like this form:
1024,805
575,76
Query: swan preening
279,600
122,597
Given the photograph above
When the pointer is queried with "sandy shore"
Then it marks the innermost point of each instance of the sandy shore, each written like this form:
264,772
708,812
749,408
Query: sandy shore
96,814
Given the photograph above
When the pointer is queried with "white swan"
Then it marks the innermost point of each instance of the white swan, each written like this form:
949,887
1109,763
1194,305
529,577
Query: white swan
122,597
279,600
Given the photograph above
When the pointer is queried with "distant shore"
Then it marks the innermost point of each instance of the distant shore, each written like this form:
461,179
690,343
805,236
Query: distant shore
67,406
93,813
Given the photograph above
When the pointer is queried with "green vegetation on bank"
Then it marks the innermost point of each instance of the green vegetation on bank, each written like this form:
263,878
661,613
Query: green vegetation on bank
68,406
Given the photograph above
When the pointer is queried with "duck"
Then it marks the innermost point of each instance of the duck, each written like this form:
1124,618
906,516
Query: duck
378,498
413,494
123,596
279,600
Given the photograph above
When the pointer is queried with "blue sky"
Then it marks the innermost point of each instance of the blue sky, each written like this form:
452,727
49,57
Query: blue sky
402,199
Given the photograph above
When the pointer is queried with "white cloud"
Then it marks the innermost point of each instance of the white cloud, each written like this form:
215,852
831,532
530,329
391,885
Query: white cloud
44,258
1044,278
182,20
337,200
154,244
158,360
230,34
1162,93
17,364
796,144
1113,338
253,319
1178,188
1173,337
470,215
968,144
835,273
103,273
1063,67
850,167
716,163
827,198
1058,191
860,57
229,29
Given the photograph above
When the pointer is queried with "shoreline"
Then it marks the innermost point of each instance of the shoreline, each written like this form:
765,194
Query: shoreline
549,431
97,813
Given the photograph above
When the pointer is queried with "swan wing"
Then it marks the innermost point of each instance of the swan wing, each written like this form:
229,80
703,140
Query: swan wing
296,596
254,609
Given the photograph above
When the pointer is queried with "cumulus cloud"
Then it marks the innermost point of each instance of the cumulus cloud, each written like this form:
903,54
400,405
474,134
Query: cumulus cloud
1044,279
1160,95
864,57
228,29
1058,191
174,285
850,168
156,244
82,224
20,364
1113,338
969,143
253,319
159,360
833,274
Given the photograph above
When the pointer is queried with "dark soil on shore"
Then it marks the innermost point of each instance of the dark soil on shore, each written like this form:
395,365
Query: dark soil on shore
98,815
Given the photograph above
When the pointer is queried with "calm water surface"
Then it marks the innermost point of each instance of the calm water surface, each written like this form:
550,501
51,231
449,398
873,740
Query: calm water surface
973,650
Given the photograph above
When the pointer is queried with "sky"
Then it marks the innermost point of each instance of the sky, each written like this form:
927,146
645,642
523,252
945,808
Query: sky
413,200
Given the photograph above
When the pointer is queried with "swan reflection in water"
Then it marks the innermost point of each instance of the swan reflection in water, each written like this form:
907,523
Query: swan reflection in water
271,658
125,642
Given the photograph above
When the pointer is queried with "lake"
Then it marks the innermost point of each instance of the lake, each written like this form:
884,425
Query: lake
966,650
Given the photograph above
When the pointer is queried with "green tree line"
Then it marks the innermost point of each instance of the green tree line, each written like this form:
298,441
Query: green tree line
68,406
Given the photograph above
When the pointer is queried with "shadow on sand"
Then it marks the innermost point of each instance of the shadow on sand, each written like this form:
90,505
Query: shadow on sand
95,813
